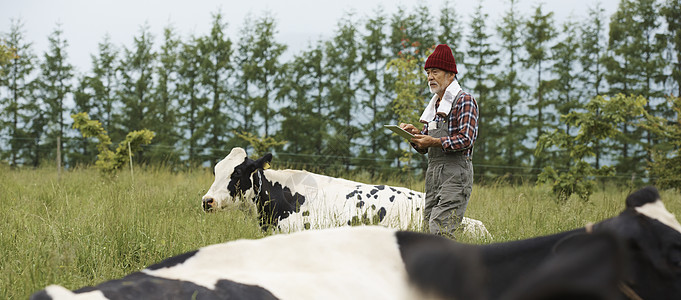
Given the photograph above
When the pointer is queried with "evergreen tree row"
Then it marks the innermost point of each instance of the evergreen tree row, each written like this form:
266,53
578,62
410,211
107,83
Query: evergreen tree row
201,94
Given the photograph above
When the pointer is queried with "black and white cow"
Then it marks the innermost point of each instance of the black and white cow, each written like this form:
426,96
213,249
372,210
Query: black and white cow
294,200
635,255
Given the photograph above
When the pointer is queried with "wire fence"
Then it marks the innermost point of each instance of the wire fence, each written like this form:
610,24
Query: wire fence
322,163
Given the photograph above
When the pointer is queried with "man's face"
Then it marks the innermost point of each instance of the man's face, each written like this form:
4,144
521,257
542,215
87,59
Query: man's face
438,80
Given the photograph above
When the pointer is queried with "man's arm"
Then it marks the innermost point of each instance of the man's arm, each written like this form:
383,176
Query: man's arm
463,136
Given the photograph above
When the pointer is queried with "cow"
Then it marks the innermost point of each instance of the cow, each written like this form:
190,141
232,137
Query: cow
635,255
294,200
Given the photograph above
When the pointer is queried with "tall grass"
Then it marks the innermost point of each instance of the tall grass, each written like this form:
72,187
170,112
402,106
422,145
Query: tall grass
84,228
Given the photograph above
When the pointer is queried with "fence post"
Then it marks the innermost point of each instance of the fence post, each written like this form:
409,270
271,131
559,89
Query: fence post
130,158
58,158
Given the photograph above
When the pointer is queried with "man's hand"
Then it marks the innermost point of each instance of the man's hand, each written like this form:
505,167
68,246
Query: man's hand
424,141
410,128
421,141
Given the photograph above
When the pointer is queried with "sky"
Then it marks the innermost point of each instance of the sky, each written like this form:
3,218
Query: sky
299,22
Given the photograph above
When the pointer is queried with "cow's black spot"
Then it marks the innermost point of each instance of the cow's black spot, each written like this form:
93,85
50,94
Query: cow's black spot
176,260
380,187
139,285
373,206
239,181
381,214
392,189
276,202
348,196
392,198
399,192
306,213
418,208
306,225
368,195
373,191
360,204
40,295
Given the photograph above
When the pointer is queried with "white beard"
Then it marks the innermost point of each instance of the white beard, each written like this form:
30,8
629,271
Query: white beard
434,90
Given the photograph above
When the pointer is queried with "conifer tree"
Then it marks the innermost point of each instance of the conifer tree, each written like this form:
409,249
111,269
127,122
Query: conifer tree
671,11
165,101
592,58
451,33
407,104
191,98
244,75
413,31
539,34
104,82
512,88
373,56
137,85
15,114
651,61
83,151
619,43
54,85
593,51
482,60
400,21
6,54
421,34
315,63
412,34
342,59
215,49
261,67
302,126
635,46
566,86
566,71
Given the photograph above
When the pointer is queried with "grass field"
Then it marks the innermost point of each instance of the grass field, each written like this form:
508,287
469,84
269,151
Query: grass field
84,228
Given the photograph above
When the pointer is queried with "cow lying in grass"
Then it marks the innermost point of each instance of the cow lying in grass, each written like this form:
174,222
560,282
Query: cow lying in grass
635,255
294,200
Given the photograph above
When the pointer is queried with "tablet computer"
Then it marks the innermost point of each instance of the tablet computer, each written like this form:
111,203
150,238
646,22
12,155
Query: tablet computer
401,132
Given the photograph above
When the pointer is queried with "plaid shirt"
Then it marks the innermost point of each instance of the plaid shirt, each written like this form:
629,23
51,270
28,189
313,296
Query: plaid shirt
463,126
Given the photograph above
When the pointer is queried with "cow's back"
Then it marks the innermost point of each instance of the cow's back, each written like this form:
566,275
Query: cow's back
332,202
305,265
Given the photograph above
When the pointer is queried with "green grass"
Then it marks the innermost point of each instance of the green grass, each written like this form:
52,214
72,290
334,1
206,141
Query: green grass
85,228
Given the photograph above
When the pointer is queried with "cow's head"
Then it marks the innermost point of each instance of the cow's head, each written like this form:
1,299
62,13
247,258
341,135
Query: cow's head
234,177
654,238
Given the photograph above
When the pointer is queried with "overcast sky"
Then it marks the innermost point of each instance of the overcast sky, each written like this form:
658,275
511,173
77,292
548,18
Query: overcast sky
85,22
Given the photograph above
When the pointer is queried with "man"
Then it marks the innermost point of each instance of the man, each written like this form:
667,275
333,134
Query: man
451,128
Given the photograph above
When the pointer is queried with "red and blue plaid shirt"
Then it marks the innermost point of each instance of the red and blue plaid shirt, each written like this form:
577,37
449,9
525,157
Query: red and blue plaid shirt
463,126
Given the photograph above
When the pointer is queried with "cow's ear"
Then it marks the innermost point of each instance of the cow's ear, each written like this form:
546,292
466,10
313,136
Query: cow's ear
264,162
642,197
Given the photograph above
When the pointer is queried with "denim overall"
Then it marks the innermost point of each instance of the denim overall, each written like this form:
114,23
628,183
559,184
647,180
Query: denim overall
449,181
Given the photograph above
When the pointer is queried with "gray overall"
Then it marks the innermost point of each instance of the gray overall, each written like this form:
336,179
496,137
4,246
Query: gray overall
449,181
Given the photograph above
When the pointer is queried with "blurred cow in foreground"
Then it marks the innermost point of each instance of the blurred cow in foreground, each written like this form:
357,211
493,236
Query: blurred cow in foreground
635,255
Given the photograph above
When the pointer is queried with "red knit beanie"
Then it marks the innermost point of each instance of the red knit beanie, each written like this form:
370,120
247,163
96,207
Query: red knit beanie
442,58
